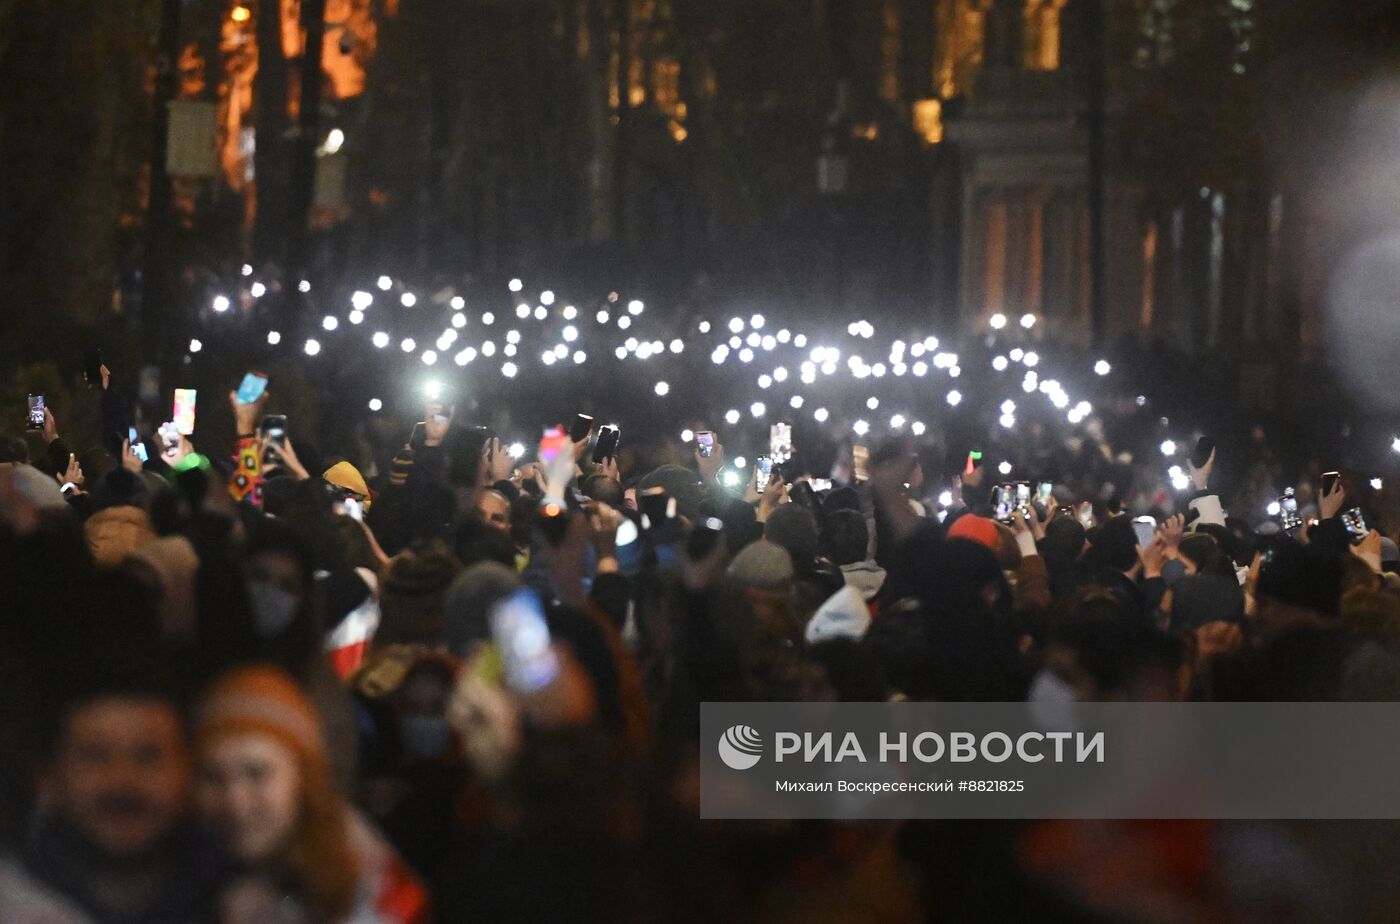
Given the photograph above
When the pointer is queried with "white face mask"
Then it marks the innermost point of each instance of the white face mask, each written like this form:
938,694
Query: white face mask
1050,687
273,608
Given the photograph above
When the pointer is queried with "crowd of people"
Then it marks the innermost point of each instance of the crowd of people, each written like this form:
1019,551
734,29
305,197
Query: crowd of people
250,684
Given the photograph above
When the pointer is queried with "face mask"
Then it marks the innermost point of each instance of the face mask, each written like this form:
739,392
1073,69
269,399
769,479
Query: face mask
426,736
273,608
1049,687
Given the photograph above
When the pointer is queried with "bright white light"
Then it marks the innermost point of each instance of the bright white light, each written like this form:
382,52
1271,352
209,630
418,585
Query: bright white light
820,415
872,402
920,368
999,363
329,322
196,346
356,316
720,354
765,381
954,397
515,285
408,345
457,303
375,404
624,322
620,352
408,299
459,320
731,416
1102,367
917,428
757,409
512,336
1395,444
257,290
703,327
1004,468
510,349
1030,359
945,499
432,389
784,335
795,402
662,389
954,371
860,427
736,325
384,282
515,450
1168,447
1180,481
546,297
508,370
677,345
998,321
730,479
334,139
570,333
769,342
312,348
740,462
547,357
221,303
464,357
1016,354
274,338
1273,509
756,321
897,421
635,307
541,312
247,269
1008,420
753,339
522,311
799,341
488,349
380,339
899,368
488,319
569,312
735,343
429,357
602,317
687,435
304,286
580,357
1008,406
1377,484
878,370
643,350
746,355
1028,321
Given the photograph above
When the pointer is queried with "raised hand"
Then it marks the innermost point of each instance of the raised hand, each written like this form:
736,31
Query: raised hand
1330,503
50,426
1200,477
130,461
247,416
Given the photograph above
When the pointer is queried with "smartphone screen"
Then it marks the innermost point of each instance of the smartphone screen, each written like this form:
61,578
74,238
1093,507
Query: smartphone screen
1288,512
35,421
1145,528
139,451
1355,522
252,387
705,441
1011,497
606,448
582,426
1044,492
763,466
780,441
184,411
521,636
820,484
860,463
553,442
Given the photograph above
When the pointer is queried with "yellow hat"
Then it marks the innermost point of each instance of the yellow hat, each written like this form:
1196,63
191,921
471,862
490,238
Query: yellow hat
344,475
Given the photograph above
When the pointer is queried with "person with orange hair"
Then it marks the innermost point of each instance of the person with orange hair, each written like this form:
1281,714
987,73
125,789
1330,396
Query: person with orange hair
265,787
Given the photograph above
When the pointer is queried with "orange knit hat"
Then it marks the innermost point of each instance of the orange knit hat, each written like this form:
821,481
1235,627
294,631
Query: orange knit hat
263,699
979,529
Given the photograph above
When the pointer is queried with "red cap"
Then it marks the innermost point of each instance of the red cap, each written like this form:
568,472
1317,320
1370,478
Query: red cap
979,529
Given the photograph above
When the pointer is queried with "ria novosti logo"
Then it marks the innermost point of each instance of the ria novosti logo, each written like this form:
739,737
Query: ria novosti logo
740,747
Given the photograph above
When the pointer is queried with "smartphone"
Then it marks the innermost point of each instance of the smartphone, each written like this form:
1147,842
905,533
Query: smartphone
184,410
252,387
860,463
657,508
1201,454
1145,528
1043,493
606,447
553,442
704,537
1288,511
705,441
1009,498
521,636
92,366
1330,481
1355,523
139,451
352,508
763,467
820,485
35,420
582,426
418,437
780,441
974,459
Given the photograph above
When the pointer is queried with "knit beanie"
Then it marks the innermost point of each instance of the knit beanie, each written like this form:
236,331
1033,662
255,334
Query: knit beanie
469,601
762,565
411,600
980,530
261,699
